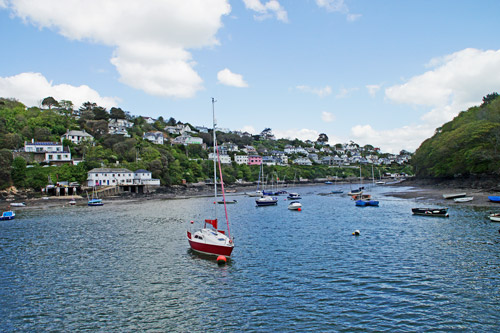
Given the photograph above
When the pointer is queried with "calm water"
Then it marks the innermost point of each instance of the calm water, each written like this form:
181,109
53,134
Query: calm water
127,267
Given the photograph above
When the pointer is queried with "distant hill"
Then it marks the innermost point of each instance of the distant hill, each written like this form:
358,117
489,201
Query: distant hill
467,145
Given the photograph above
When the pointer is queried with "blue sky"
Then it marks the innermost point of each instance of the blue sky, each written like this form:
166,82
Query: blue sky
386,73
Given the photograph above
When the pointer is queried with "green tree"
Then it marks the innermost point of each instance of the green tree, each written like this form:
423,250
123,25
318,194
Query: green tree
18,173
49,102
5,166
117,113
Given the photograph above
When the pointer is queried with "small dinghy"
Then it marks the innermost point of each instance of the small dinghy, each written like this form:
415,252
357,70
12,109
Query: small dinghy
439,212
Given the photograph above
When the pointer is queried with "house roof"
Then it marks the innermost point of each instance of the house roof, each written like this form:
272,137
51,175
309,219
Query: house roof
96,170
78,133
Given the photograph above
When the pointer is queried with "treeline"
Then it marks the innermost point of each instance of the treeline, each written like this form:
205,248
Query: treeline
467,145
170,164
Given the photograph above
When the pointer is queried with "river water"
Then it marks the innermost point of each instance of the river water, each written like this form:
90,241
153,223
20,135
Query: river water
128,267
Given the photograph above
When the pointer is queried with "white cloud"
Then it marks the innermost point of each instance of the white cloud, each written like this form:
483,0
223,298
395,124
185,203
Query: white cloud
150,39
31,88
454,83
373,89
338,6
301,134
267,10
249,129
344,92
457,82
228,78
392,141
321,92
353,17
327,117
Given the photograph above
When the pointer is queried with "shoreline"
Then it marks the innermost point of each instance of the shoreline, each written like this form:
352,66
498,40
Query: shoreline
428,193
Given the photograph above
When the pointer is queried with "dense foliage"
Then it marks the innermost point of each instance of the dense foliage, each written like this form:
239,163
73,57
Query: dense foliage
170,163
469,144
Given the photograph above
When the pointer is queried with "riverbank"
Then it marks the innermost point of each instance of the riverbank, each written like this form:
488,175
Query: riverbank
431,191
428,192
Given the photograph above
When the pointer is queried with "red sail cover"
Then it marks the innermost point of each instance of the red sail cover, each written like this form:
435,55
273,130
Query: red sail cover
212,222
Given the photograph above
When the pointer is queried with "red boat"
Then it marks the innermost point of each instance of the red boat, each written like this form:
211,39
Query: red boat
209,239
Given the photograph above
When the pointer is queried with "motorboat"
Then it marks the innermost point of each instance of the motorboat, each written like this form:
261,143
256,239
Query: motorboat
7,215
294,196
439,212
95,202
17,204
267,201
294,205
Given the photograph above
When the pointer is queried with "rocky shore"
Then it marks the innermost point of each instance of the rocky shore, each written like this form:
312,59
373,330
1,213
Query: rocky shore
432,190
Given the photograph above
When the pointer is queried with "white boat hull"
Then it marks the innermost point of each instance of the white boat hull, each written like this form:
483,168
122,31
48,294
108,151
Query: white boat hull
464,199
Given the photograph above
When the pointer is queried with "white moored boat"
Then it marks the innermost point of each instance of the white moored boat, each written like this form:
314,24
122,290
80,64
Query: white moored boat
495,217
294,205
454,195
464,199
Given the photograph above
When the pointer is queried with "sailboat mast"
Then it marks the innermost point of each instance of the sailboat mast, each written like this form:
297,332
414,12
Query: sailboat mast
215,156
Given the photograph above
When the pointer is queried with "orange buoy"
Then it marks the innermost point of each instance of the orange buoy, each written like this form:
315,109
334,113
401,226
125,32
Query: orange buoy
300,209
221,260
192,222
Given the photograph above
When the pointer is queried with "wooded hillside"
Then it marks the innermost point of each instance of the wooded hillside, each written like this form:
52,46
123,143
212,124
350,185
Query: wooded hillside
467,145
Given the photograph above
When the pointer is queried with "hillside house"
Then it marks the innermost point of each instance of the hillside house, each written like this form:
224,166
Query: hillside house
48,152
155,137
77,136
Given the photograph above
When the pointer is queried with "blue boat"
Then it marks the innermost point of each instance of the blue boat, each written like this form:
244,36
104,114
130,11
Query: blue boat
364,203
95,202
494,198
8,215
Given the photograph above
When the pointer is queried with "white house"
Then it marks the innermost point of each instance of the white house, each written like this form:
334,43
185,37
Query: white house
302,161
241,159
178,129
119,127
187,140
76,136
149,120
115,177
143,177
110,176
155,137
49,152
224,159
295,150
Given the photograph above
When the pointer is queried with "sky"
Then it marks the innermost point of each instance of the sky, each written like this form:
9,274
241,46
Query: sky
379,72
